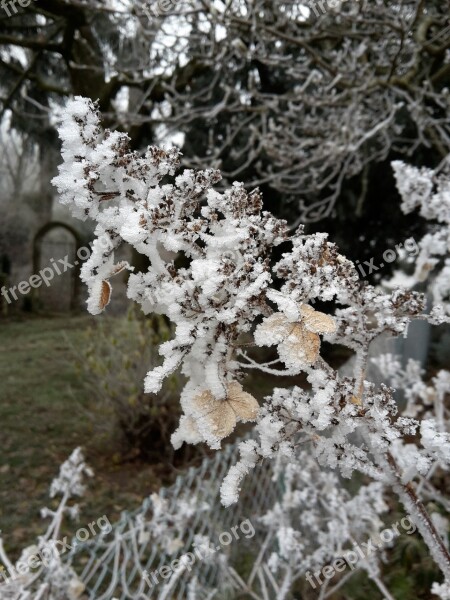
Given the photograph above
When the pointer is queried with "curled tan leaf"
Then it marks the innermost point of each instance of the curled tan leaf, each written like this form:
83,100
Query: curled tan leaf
105,295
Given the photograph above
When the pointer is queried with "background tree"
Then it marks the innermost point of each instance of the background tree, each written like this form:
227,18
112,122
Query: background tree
309,102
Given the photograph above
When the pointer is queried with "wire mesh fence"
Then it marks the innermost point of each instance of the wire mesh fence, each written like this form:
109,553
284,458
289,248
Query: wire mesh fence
120,564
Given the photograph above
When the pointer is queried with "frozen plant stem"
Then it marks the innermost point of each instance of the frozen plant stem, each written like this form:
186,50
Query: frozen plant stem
375,578
406,492
422,519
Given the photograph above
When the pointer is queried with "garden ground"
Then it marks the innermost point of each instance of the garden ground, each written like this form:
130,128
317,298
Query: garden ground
42,420
44,416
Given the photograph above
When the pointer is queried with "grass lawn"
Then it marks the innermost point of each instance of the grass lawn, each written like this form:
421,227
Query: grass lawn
42,419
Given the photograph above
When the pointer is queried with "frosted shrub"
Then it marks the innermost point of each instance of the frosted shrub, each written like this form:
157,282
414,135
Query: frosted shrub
40,573
429,191
314,525
224,291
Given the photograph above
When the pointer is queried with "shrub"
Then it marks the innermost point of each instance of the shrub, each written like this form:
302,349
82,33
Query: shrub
112,360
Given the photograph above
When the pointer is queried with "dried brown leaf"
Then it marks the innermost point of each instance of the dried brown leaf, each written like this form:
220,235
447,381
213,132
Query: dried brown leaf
302,344
275,325
315,321
222,415
356,400
217,413
105,295
245,405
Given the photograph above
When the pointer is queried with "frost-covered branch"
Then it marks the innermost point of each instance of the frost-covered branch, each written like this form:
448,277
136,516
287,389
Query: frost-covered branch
41,573
213,274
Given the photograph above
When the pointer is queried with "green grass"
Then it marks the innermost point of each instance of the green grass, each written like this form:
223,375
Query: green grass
42,419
